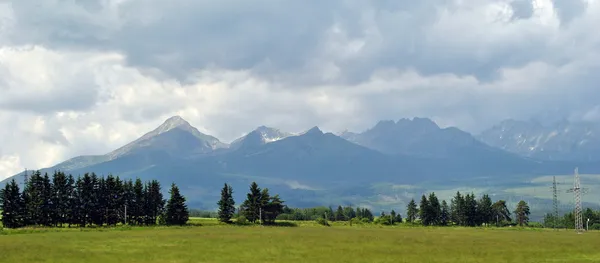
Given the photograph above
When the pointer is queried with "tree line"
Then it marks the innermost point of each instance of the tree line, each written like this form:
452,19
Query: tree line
568,220
465,210
89,200
259,206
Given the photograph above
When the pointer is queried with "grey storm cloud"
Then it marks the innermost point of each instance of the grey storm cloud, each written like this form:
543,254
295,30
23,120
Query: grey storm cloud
309,44
285,39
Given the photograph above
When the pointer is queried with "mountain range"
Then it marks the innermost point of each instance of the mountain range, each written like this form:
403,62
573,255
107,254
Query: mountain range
379,168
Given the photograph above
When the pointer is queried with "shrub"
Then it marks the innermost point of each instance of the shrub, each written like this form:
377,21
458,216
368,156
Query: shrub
322,221
241,220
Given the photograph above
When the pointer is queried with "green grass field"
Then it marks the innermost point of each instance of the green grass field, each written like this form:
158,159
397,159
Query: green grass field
209,241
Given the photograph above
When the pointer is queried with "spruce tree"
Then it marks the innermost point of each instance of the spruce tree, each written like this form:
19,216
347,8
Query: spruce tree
139,200
339,214
226,204
434,209
12,206
457,209
176,211
411,211
251,208
425,211
445,214
484,210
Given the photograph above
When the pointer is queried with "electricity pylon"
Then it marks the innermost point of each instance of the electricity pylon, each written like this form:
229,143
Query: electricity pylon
577,191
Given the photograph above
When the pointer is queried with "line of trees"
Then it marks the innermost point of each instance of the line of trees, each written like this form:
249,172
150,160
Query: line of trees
568,220
345,213
465,210
259,205
89,200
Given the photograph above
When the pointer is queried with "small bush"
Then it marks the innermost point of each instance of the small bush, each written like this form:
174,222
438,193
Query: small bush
322,221
241,220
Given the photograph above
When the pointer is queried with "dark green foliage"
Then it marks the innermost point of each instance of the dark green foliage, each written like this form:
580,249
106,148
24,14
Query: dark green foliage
435,210
484,210
411,211
500,212
425,212
259,205
89,200
176,212
12,205
226,204
251,208
272,207
339,214
522,213
445,214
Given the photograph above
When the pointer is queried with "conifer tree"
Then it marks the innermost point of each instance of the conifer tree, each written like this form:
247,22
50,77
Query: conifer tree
393,217
272,207
484,210
457,209
60,198
139,200
445,214
226,204
339,214
12,205
349,212
425,211
176,210
522,213
251,208
411,211
435,209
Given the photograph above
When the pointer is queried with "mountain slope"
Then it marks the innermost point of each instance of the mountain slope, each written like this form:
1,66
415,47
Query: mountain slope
259,136
421,137
563,141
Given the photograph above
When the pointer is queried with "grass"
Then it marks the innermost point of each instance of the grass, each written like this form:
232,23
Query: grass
208,241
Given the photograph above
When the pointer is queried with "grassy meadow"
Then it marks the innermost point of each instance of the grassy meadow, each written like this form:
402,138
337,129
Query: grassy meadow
208,241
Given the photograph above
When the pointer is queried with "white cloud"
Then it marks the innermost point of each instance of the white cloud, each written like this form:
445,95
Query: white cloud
79,79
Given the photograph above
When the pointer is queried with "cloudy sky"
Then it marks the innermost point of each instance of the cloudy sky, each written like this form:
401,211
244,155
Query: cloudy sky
86,76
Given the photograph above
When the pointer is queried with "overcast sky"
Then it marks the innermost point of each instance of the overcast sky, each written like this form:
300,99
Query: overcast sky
87,76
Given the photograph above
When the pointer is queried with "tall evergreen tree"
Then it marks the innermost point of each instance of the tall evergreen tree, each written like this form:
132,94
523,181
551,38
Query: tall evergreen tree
176,212
411,211
484,210
457,211
425,212
139,201
445,214
522,213
470,210
435,209
33,197
154,202
339,214
251,208
60,198
12,205
226,204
